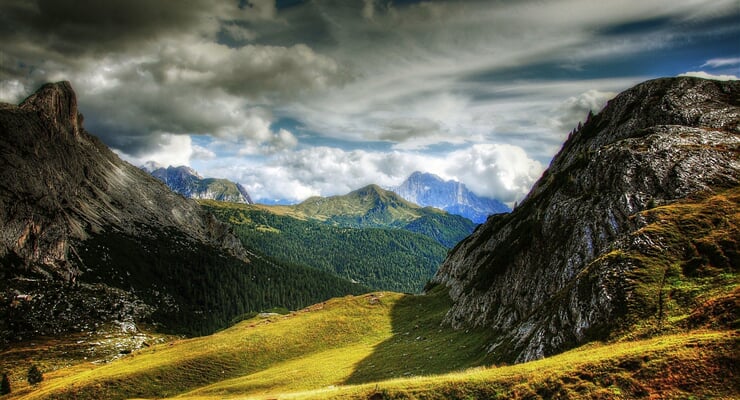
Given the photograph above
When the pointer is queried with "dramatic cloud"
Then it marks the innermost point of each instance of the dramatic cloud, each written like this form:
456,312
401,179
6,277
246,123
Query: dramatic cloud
13,91
576,108
168,149
278,93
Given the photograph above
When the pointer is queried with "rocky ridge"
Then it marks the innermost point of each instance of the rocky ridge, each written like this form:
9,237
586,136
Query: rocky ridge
59,188
545,277
430,190
189,183
59,184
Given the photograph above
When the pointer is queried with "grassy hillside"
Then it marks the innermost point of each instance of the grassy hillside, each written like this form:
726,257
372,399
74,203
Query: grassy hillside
688,276
382,259
391,346
359,339
681,342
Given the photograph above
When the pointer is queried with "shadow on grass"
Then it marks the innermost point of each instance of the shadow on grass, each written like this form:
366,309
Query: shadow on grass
420,345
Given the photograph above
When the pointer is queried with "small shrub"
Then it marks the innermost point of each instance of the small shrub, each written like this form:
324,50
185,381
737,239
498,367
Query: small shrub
5,385
34,375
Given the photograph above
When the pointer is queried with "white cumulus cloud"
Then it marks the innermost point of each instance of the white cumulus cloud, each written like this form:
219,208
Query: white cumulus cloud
504,172
706,75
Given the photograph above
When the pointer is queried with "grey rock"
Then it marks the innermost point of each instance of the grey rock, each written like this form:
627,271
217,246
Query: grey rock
59,186
535,277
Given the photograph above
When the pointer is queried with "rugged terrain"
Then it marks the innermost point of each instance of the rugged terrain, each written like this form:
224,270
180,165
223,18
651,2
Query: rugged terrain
429,190
583,257
189,183
87,239
628,242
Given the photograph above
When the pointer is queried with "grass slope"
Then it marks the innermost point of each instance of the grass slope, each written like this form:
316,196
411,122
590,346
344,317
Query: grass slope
688,275
382,259
357,339
392,346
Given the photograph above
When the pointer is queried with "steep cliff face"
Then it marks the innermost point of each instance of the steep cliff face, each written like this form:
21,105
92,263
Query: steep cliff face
59,184
552,274
67,205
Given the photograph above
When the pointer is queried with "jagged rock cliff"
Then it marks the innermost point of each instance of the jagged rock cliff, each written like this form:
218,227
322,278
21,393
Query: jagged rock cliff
59,184
189,183
429,190
547,277
61,190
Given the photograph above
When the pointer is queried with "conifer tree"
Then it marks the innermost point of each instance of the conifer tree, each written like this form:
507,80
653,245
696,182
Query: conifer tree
34,375
5,384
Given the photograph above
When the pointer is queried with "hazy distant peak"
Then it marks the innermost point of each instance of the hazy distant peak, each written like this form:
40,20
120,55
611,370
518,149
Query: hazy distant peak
430,190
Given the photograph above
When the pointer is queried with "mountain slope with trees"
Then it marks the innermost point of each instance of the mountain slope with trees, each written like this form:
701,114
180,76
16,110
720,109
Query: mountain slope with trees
379,258
373,207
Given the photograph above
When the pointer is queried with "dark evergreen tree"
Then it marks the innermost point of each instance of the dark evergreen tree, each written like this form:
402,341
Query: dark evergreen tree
34,375
5,385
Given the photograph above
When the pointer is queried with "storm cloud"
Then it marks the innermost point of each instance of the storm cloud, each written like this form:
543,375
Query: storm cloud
319,97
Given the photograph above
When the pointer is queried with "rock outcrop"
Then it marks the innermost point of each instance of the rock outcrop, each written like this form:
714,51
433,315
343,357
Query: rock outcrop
59,184
542,278
60,187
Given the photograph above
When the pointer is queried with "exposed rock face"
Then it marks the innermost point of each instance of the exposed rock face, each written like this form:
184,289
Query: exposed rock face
60,183
60,186
538,277
189,183
429,190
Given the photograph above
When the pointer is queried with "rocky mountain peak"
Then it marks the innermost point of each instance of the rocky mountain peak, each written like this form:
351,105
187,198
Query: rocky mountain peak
56,104
58,192
539,277
430,190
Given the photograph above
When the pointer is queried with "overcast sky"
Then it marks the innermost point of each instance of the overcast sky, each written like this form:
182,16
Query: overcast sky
299,98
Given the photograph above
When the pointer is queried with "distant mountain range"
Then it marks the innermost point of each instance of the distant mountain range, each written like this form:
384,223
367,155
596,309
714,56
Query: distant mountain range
430,190
187,182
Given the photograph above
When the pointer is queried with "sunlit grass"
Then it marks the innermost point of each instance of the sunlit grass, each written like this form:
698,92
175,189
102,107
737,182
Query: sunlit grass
392,346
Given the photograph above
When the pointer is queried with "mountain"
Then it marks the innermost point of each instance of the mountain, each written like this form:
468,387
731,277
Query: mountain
631,236
189,183
87,239
379,258
373,207
454,197
632,231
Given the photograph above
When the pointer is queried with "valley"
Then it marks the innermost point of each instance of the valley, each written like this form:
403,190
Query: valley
616,277
370,236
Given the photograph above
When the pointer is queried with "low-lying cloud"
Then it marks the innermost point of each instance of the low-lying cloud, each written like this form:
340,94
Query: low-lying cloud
504,172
